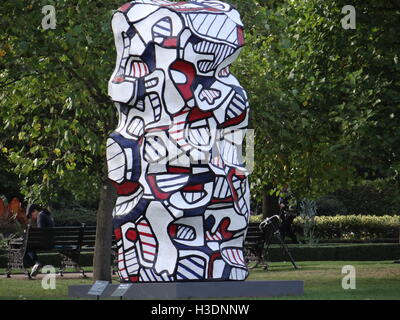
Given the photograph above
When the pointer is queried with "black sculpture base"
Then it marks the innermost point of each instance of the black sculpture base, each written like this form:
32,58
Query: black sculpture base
208,289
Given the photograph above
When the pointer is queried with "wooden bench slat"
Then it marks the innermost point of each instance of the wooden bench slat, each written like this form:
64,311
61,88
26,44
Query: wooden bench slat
60,229
88,240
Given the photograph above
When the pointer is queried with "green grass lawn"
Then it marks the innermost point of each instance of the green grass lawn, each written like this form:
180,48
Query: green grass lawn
322,280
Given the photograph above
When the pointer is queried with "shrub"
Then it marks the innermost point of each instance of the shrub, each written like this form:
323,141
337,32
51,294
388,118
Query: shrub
330,206
74,217
366,227
379,197
362,227
256,218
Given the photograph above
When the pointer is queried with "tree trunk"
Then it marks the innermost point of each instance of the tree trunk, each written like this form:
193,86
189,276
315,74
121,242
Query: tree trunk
270,205
102,253
265,202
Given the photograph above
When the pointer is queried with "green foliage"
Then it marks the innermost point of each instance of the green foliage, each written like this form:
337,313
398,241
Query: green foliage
74,216
67,211
9,227
3,243
363,227
8,180
55,112
351,227
330,206
325,101
258,218
308,211
377,197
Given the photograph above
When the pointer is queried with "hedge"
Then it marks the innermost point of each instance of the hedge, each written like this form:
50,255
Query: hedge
353,227
74,217
338,252
365,227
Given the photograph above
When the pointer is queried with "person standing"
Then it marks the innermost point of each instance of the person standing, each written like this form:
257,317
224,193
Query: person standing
288,212
43,219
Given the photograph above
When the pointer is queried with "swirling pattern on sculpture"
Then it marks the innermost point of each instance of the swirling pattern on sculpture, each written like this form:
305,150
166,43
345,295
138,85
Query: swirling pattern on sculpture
175,158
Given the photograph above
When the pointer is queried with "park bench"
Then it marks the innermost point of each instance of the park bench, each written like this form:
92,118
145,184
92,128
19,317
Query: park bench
68,242
254,243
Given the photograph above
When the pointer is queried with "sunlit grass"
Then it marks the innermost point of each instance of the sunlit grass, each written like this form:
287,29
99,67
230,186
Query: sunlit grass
322,280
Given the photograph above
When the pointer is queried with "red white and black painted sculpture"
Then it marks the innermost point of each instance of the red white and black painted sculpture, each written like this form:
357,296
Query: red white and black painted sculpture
183,196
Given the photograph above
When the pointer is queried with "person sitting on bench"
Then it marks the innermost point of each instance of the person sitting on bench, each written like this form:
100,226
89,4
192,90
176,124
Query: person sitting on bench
43,219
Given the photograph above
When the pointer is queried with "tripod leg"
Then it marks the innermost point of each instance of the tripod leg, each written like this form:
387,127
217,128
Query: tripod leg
268,240
257,260
251,254
286,250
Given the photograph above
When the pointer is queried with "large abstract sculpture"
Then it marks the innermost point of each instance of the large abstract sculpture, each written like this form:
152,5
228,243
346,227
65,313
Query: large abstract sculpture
183,196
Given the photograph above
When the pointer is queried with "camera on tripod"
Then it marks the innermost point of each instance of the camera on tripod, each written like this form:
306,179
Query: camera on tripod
270,227
271,222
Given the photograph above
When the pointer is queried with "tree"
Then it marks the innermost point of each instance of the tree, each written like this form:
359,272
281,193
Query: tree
324,100
56,111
